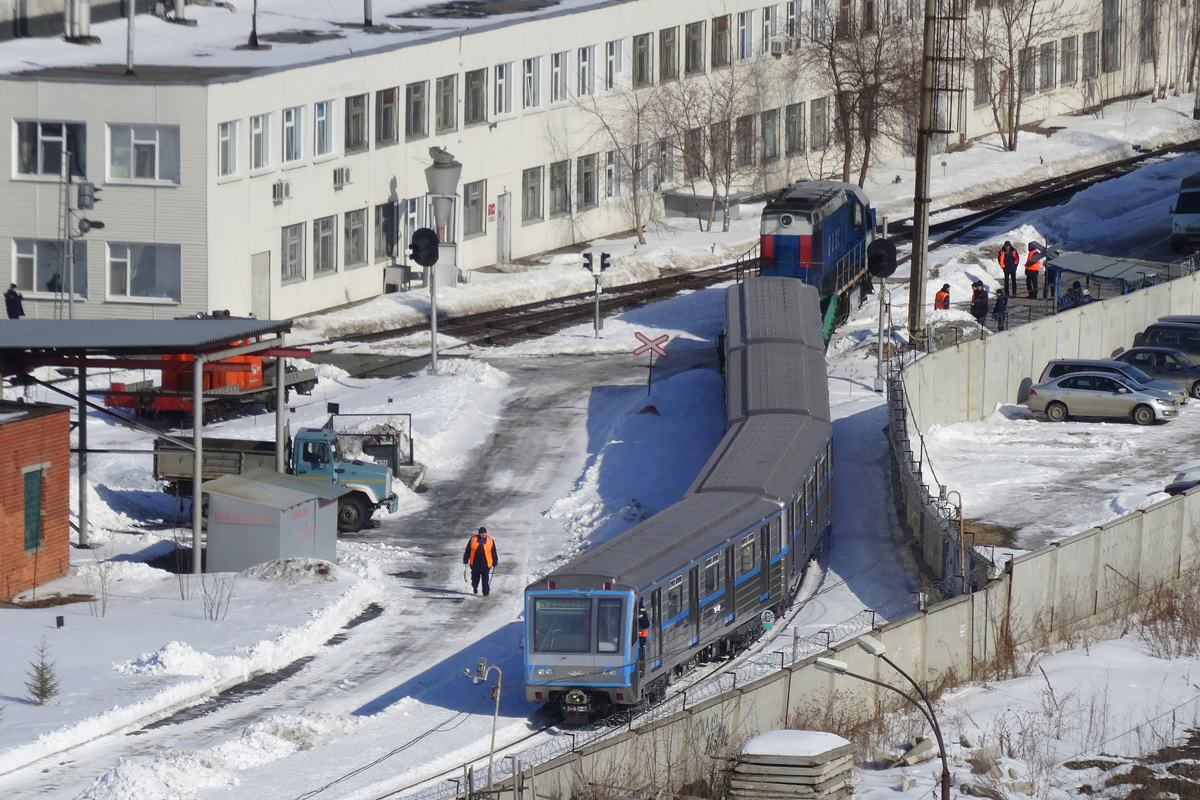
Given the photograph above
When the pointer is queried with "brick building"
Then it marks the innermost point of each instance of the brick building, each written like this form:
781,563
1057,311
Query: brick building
35,460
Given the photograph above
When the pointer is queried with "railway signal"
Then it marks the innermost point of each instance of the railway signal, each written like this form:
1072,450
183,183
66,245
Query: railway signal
590,265
423,247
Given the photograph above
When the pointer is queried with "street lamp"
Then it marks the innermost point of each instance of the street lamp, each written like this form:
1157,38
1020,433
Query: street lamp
442,177
481,672
877,649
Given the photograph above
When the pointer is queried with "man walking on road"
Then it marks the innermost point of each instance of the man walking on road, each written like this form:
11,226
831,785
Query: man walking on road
481,557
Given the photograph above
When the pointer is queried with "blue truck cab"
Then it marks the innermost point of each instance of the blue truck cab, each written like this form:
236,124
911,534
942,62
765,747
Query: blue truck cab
317,456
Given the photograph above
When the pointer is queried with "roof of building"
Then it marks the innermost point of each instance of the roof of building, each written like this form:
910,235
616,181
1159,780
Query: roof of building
272,489
117,337
298,32
1103,267
16,412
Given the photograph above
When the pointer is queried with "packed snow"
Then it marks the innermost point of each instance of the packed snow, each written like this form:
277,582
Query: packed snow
145,648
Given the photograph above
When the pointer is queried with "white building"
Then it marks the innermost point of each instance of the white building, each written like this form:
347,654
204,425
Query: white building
284,182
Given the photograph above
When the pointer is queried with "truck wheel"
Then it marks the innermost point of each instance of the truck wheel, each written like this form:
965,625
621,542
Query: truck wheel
352,513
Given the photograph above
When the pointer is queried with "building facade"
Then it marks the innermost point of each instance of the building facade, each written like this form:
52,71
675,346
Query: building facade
35,462
286,190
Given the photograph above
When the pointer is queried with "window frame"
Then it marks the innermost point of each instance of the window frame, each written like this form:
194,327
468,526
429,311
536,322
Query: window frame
474,209
445,110
613,64
668,54
35,528
35,147
291,141
386,238
693,48
745,35
260,153
532,178
818,109
643,60
354,237
475,97
563,192
160,154
531,83
794,129
1068,59
722,44
299,272
357,134
502,75
1048,66
587,189
612,175
585,71
130,259
559,79
29,250
768,124
322,128
227,149
387,116
324,244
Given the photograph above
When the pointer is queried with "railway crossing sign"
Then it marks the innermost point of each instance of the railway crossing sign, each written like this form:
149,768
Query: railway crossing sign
653,346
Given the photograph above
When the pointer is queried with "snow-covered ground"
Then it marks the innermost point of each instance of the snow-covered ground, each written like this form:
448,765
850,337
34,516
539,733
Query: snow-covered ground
594,467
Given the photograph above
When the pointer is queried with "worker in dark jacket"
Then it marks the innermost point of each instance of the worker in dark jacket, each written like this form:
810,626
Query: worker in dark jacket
1000,310
482,558
941,300
12,303
979,301
1009,261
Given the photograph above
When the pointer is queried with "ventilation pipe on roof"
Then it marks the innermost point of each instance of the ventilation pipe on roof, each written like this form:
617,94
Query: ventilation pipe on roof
77,21
367,13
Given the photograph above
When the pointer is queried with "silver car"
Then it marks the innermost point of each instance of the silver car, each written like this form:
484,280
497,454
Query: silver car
1061,366
1100,394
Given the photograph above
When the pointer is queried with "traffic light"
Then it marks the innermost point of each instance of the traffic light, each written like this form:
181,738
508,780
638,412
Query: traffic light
423,247
87,198
587,261
604,262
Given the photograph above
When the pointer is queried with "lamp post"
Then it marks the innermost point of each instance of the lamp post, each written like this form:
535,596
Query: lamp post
481,672
877,649
442,177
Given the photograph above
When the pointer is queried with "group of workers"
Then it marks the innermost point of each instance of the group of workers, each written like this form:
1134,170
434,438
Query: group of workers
1009,260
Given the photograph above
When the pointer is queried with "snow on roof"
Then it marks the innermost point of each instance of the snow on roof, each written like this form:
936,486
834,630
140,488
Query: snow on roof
793,743
298,32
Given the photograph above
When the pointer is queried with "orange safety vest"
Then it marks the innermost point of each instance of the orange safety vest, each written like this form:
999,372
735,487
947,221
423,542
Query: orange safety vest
488,549
1033,262
941,299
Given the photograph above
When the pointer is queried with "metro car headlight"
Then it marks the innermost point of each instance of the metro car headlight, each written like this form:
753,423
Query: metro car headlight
543,672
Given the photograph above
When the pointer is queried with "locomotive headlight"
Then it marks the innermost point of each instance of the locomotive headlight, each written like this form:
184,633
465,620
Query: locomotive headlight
543,672
786,220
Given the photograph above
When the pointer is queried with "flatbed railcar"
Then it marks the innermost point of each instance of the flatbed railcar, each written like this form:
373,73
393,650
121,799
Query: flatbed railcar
735,546
823,233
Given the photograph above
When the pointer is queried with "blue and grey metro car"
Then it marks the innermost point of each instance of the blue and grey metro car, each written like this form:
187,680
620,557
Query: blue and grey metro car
704,570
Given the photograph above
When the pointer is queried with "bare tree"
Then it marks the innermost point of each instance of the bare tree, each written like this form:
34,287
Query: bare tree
1004,35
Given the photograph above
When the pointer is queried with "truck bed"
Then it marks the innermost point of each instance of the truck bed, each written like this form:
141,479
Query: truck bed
220,457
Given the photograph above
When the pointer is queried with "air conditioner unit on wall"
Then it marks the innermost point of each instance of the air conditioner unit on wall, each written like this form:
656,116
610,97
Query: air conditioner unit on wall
281,190
341,177
779,46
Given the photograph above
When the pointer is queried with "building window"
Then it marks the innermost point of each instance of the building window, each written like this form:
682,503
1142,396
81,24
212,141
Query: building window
1047,60
40,148
668,54
38,266
144,152
693,153
503,86
665,175
386,231
260,141
531,83
473,202
292,259
323,128
585,181
982,82
356,237
356,123
293,148
324,245
560,188
1146,31
531,195
1069,69
792,23
793,129
416,110
1028,69
1091,55
612,174
387,116
770,26
587,83
558,77
744,132
720,41
818,123
144,270
475,99
820,20
868,21
1110,40
612,64
770,134
745,35
446,113
693,48
33,509
227,148
643,63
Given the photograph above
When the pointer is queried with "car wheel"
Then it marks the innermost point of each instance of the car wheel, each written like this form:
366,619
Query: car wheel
352,513
1056,412
1143,415
1195,390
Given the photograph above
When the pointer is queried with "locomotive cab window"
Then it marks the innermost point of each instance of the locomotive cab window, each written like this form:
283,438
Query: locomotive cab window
856,216
608,625
562,625
675,597
747,554
712,574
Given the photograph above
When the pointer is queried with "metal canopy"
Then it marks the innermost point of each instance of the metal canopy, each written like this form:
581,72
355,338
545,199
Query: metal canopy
1102,267
117,337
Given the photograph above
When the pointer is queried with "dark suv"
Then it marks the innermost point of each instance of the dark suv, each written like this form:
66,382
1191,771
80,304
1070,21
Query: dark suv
1061,366
1179,335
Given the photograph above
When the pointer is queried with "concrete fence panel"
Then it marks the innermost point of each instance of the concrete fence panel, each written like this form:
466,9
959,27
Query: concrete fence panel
989,607
1032,594
971,383
1075,582
1189,532
949,631
1119,566
1070,345
1044,335
1163,526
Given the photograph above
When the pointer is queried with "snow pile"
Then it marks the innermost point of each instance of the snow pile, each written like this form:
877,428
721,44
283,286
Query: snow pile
793,743
293,571
175,658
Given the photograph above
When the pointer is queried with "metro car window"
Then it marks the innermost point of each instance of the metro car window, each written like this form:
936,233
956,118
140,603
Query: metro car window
562,625
675,596
747,557
608,625
712,574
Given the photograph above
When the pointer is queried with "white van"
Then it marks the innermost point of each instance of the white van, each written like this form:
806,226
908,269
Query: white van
1185,219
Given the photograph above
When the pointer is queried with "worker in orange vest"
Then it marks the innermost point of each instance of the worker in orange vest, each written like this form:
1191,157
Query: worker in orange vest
1033,265
941,300
482,558
643,630
1009,259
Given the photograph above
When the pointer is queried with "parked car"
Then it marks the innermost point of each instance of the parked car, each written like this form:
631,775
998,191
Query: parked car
1185,480
1062,366
1099,394
1166,364
1181,335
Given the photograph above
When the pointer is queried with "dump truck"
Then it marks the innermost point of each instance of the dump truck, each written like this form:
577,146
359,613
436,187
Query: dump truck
314,454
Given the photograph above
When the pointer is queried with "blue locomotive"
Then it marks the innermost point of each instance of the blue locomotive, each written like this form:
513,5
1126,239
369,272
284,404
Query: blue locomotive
697,577
823,232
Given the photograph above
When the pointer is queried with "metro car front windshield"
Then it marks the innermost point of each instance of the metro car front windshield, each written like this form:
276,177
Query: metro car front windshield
562,625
